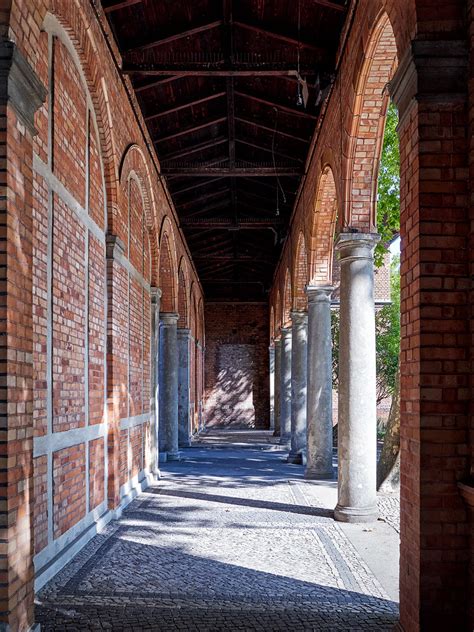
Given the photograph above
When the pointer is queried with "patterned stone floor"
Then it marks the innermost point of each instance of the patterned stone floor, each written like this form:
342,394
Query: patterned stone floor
232,538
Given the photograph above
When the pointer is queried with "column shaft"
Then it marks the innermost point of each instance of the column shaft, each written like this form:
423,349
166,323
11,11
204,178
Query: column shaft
271,362
154,360
357,431
285,387
276,432
319,397
298,387
184,425
168,381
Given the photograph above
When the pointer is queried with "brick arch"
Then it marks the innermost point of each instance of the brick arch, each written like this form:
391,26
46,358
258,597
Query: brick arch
300,275
167,268
287,300
134,165
323,229
183,283
66,20
368,123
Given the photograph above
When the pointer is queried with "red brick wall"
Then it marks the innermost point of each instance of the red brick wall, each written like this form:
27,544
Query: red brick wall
236,365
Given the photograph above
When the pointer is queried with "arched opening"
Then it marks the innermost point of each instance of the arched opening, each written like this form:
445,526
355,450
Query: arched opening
287,301
167,272
183,321
323,228
300,276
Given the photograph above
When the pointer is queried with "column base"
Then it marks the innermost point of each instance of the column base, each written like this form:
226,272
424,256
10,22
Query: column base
356,514
174,456
285,440
276,433
295,457
322,475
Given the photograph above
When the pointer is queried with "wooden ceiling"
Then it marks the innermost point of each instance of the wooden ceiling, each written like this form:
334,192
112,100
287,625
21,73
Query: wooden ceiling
218,85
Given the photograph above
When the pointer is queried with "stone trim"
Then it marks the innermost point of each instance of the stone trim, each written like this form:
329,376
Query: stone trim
116,251
55,441
60,190
137,420
168,319
356,246
319,293
19,85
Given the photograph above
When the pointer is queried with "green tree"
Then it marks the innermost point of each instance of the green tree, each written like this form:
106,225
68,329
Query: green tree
388,192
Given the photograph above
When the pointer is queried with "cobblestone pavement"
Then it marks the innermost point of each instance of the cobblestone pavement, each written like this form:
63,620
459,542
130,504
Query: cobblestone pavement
232,538
389,508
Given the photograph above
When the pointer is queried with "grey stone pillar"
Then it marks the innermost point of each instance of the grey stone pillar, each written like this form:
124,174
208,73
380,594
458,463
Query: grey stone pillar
299,331
154,361
168,380
271,363
357,425
285,387
319,399
276,432
184,425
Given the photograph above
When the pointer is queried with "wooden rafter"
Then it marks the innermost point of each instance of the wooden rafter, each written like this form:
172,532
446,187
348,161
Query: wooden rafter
269,150
196,186
283,38
121,4
191,130
271,130
184,106
176,36
273,104
189,171
188,151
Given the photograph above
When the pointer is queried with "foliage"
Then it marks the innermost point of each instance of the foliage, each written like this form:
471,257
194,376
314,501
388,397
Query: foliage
387,329
388,192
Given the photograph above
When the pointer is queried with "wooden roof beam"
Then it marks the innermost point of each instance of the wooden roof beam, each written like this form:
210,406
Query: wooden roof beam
176,36
161,70
278,106
122,4
272,130
191,130
184,106
235,172
196,186
283,38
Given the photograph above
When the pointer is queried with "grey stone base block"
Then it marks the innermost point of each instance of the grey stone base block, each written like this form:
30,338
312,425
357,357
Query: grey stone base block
315,475
356,514
174,456
295,457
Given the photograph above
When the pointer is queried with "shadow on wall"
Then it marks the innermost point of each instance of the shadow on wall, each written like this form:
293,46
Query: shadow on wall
232,401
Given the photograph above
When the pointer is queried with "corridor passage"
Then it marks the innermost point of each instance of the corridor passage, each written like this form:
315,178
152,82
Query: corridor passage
232,538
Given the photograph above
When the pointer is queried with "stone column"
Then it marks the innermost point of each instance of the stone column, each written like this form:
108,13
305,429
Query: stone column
168,381
271,363
184,426
276,432
319,399
357,423
285,387
154,360
299,331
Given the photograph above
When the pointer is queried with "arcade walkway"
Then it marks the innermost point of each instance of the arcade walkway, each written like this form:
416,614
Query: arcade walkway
232,538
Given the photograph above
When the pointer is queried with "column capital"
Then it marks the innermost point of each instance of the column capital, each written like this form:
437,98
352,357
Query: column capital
277,341
115,247
20,85
298,317
356,246
155,293
169,318
319,293
285,331
184,332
